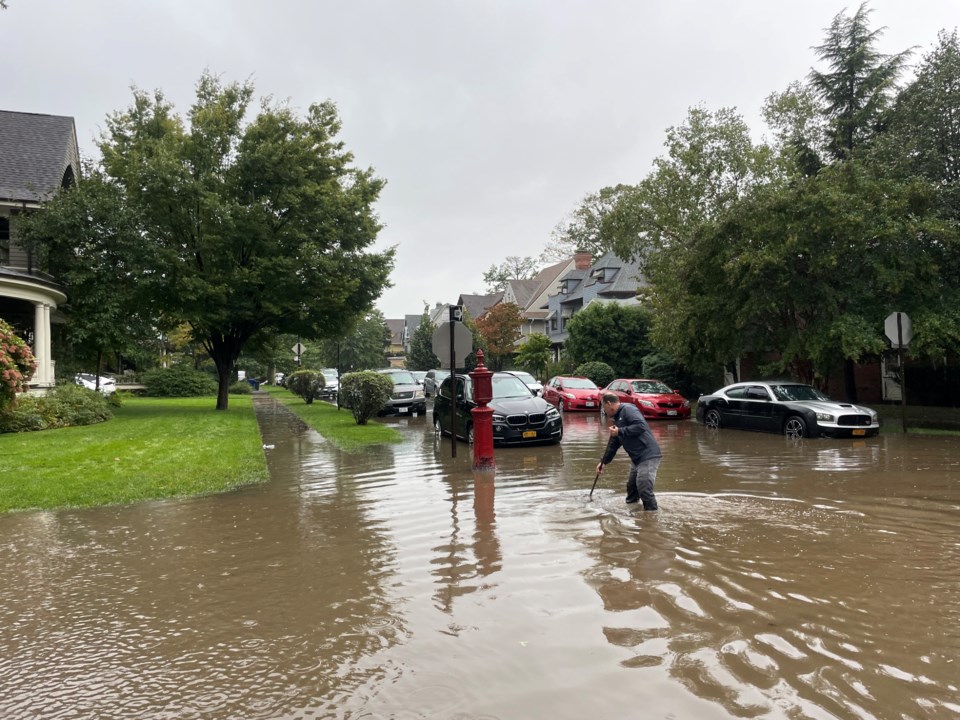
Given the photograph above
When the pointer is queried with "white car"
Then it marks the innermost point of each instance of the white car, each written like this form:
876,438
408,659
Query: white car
536,387
108,385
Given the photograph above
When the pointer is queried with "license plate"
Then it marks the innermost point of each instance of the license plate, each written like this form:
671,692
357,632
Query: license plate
402,409
588,403
859,432
671,412
529,433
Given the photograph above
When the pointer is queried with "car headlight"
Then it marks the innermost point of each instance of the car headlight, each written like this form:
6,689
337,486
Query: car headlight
569,396
552,413
500,418
825,417
686,403
418,393
873,417
646,403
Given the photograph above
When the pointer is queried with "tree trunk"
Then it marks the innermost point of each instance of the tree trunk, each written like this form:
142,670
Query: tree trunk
225,359
850,380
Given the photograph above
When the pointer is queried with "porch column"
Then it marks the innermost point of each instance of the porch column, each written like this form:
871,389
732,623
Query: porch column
41,344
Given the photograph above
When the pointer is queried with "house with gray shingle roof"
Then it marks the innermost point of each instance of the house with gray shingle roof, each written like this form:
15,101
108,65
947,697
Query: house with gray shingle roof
608,279
38,156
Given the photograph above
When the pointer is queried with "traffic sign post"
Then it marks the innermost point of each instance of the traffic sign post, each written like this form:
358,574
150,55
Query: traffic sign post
452,342
298,350
899,331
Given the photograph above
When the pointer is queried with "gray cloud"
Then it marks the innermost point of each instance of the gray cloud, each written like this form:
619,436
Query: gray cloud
489,120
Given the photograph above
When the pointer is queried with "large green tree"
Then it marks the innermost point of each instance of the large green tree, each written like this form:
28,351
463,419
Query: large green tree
363,347
859,81
256,224
586,228
90,240
421,346
610,333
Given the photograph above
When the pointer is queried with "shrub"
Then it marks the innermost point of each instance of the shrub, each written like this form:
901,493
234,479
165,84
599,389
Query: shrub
65,406
562,367
601,373
365,393
241,387
178,381
307,384
17,364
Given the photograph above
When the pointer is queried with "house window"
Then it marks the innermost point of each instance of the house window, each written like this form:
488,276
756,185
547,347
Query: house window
4,241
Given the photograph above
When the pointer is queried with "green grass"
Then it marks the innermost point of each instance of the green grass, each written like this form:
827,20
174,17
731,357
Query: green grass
337,426
153,448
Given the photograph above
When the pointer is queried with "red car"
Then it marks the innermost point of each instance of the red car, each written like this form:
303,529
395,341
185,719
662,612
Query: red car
653,398
565,392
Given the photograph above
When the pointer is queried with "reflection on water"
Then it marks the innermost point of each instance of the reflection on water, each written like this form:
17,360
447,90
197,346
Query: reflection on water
780,579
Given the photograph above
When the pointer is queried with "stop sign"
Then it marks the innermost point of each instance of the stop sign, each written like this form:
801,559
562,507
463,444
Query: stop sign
462,343
905,332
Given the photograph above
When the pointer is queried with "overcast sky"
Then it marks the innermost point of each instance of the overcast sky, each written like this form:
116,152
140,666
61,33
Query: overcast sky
490,121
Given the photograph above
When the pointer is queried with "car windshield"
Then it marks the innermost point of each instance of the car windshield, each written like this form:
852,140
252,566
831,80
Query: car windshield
329,375
508,386
579,383
650,386
402,378
525,376
797,392
440,375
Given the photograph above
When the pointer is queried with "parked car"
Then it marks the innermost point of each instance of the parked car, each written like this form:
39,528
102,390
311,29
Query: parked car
572,393
108,385
432,380
419,375
793,409
331,379
407,397
536,387
653,398
518,416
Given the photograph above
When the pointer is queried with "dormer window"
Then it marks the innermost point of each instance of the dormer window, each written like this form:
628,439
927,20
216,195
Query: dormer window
604,274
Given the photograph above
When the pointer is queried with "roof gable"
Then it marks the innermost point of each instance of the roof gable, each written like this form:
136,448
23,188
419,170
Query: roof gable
36,153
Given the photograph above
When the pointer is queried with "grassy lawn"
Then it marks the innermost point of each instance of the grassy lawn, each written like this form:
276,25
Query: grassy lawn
153,448
337,426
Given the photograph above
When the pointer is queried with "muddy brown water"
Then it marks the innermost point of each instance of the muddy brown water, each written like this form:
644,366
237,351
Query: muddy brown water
811,579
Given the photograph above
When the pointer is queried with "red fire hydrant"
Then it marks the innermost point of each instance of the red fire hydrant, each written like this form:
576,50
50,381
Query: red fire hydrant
482,416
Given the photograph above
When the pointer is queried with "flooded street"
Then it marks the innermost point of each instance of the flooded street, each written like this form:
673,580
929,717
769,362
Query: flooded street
811,579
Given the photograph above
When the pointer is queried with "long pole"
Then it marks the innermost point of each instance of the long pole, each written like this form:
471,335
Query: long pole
903,373
453,391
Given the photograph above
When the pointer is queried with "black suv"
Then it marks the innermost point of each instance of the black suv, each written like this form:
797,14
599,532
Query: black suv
518,415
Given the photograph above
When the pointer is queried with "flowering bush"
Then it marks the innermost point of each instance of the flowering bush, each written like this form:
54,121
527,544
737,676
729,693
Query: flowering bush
16,364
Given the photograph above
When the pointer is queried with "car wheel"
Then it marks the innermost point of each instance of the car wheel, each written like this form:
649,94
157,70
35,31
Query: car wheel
470,433
559,437
436,425
712,419
795,427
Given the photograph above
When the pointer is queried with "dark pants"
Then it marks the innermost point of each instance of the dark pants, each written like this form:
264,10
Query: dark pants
640,483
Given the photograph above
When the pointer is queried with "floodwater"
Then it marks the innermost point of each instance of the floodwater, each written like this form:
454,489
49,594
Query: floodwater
810,579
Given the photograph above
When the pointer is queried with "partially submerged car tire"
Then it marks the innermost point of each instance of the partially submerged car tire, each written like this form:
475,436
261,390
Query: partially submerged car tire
712,419
795,427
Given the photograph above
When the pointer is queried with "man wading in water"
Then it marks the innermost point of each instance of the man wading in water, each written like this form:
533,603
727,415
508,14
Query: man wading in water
631,431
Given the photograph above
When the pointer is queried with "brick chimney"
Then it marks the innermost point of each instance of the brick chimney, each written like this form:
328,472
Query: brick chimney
581,259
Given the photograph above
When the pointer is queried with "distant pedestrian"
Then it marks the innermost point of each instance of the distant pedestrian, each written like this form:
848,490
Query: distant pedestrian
630,430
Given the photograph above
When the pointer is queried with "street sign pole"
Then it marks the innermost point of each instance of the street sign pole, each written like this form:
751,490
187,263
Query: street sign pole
903,374
453,391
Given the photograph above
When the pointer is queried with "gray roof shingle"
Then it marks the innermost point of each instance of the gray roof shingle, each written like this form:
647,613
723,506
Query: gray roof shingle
35,153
